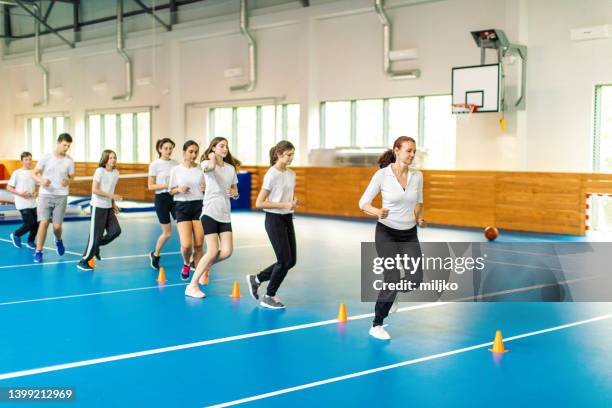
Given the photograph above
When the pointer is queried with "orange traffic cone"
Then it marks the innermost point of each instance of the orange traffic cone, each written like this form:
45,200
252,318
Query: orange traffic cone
92,263
161,276
498,343
235,290
342,313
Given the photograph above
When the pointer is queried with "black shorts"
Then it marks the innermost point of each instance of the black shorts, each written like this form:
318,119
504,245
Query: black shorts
212,226
164,207
188,210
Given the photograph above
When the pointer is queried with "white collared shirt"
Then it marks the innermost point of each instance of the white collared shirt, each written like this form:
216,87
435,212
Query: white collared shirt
399,202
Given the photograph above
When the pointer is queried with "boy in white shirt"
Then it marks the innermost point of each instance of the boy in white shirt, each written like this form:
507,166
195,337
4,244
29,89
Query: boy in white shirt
54,172
23,187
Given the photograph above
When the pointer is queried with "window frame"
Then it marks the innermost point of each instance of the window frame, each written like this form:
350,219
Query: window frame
281,133
134,111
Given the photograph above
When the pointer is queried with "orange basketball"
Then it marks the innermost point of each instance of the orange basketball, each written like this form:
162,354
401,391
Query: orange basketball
491,233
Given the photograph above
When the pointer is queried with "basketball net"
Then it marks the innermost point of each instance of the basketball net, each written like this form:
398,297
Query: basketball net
464,111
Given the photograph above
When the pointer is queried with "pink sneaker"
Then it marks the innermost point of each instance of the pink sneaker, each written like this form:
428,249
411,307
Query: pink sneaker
185,273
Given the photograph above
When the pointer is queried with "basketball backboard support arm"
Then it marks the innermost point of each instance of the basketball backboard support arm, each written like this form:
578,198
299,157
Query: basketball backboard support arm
496,39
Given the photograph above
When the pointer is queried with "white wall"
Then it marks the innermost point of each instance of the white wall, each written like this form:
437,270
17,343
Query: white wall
333,50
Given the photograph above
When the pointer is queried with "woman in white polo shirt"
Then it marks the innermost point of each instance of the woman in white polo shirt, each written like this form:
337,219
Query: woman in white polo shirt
277,199
186,185
219,168
402,210
103,209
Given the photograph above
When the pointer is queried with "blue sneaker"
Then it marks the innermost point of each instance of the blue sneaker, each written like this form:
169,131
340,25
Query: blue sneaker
16,241
84,265
31,245
38,256
59,247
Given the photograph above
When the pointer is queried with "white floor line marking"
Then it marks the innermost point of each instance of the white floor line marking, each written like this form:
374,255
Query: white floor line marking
17,302
406,363
47,248
110,258
59,367
109,292
126,356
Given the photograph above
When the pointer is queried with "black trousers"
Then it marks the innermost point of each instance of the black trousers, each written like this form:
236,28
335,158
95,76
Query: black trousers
102,219
30,224
282,236
389,243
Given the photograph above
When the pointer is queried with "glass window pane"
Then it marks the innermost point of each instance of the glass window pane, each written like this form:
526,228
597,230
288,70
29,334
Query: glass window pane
59,125
247,130
93,141
440,133
223,123
35,138
403,118
48,135
127,138
268,132
144,137
110,133
337,124
605,146
369,123
293,124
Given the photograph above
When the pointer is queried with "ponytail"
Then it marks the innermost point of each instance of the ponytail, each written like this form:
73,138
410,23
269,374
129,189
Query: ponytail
278,149
388,156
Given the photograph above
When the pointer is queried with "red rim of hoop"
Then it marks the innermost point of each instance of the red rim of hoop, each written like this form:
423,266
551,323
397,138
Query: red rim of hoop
468,108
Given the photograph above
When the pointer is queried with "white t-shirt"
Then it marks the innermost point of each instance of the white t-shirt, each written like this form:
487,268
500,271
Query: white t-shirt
160,169
107,181
192,177
281,185
216,202
22,181
399,202
55,168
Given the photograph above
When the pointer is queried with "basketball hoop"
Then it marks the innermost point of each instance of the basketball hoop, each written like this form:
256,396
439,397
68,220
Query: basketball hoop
464,111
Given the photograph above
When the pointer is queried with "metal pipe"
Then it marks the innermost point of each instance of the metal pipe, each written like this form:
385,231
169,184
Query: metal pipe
152,14
38,59
21,4
244,23
121,50
386,23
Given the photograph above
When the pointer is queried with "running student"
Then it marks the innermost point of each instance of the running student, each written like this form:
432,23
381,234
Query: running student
103,209
159,174
23,186
221,183
402,210
277,199
54,172
186,184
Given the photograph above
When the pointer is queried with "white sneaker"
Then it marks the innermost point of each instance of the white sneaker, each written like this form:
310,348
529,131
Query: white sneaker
191,292
379,332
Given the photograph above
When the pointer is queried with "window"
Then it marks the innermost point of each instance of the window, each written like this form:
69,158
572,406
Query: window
337,124
602,146
41,133
369,123
253,130
127,133
403,117
378,122
439,132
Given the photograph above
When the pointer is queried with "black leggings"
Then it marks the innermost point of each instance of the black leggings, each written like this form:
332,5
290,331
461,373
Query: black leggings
282,236
30,224
101,219
385,239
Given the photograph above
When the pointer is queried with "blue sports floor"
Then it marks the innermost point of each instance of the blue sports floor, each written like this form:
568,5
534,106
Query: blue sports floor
121,340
